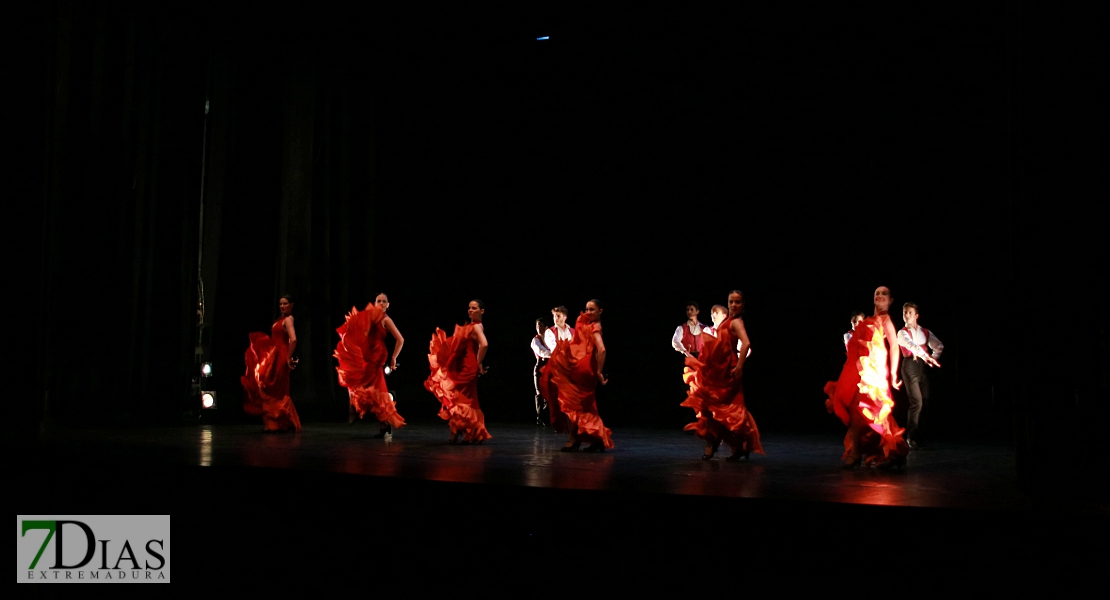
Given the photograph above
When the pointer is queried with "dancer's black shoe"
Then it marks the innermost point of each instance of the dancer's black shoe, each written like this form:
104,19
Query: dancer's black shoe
736,456
853,464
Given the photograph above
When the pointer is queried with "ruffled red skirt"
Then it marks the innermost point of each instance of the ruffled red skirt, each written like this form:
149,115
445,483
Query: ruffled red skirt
717,398
572,371
454,382
362,355
266,384
862,399
550,393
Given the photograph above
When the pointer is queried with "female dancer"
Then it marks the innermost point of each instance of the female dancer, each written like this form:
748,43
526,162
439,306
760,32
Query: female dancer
362,360
575,369
456,363
861,397
266,383
716,388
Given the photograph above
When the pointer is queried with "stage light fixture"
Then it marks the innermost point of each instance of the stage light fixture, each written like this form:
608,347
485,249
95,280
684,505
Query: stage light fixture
391,398
208,399
388,370
206,369
546,37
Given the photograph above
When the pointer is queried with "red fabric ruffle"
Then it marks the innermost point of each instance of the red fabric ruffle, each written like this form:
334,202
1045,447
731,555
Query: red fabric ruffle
572,370
550,393
862,398
716,397
453,362
266,382
362,356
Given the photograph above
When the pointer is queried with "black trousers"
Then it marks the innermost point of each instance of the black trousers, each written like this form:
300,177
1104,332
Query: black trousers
542,414
917,388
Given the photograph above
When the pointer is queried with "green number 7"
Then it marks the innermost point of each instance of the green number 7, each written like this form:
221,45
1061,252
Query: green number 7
49,526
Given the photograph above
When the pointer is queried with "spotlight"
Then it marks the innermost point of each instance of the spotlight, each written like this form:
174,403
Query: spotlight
206,369
208,399
388,370
391,398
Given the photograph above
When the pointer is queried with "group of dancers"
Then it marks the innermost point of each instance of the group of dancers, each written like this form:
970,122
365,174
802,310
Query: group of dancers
570,366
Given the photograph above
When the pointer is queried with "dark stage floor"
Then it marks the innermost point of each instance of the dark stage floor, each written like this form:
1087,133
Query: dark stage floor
796,468
651,494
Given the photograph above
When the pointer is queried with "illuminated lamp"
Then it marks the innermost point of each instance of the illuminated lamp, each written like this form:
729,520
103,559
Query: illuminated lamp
206,369
208,399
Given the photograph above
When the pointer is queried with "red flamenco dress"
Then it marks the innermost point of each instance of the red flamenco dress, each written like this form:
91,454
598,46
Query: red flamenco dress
362,356
454,382
266,381
717,397
862,398
572,370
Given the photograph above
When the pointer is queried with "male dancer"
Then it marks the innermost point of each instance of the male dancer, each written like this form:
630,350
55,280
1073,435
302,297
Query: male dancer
912,339
687,337
856,318
560,332
542,352
718,314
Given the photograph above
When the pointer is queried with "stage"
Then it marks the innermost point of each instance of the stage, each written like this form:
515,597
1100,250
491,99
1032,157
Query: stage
645,461
650,496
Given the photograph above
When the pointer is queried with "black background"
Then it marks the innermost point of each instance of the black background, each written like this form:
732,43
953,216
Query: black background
805,155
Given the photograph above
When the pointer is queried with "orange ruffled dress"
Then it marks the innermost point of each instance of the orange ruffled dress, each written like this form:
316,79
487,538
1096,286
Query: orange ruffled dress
454,382
572,370
861,396
717,397
362,356
266,381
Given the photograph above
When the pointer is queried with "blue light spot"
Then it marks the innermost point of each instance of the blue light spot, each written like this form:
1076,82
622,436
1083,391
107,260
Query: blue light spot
544,37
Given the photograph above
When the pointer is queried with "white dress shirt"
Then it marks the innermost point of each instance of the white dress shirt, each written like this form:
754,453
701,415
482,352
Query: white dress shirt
539,349
914,341
554,333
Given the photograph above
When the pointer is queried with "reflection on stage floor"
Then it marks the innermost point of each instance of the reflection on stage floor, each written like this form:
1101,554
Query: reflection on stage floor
795,467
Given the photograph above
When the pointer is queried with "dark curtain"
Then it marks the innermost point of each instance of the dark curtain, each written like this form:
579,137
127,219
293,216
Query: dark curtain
1055,374
119,144
116,132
